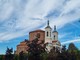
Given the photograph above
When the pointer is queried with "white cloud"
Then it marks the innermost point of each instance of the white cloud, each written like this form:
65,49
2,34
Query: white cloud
23,11
71,5
62,35
70,41
5,10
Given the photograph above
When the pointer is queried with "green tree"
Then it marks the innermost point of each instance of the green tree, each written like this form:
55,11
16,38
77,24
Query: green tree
52,55
22,56
63,48
1,57
72,47
35,49
16,57
9,55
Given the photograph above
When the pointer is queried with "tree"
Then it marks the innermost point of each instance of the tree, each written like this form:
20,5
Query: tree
21,55
1,57
72,49
16,57
64,48
35,49
52,55
9,55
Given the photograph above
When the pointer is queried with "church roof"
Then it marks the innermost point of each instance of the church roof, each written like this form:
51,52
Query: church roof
55,31
48,27
38,31
54,41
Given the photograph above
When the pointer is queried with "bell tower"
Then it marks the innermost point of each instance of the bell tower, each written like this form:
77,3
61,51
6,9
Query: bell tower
48,33
55,33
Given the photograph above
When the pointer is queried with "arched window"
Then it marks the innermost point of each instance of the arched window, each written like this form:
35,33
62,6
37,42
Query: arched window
50,34
54,37
47,33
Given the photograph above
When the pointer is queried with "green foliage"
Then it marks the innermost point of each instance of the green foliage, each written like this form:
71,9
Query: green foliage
9,55
72,47
44,56
22,56
16,57
1,57
72,53
35,49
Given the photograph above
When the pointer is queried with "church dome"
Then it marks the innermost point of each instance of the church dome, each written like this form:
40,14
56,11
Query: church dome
48,27
55,29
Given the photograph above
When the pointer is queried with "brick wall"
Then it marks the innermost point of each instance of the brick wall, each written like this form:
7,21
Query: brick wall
33,34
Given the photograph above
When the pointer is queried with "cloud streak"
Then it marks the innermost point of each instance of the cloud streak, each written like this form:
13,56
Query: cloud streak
18,17
71,41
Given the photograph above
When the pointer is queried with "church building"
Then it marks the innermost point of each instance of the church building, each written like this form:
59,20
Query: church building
49,36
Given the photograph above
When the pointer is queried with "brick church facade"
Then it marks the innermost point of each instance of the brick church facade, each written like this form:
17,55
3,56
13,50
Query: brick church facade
33,34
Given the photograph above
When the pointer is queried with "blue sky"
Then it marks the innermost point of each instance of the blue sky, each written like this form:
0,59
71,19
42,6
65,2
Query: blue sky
19,17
